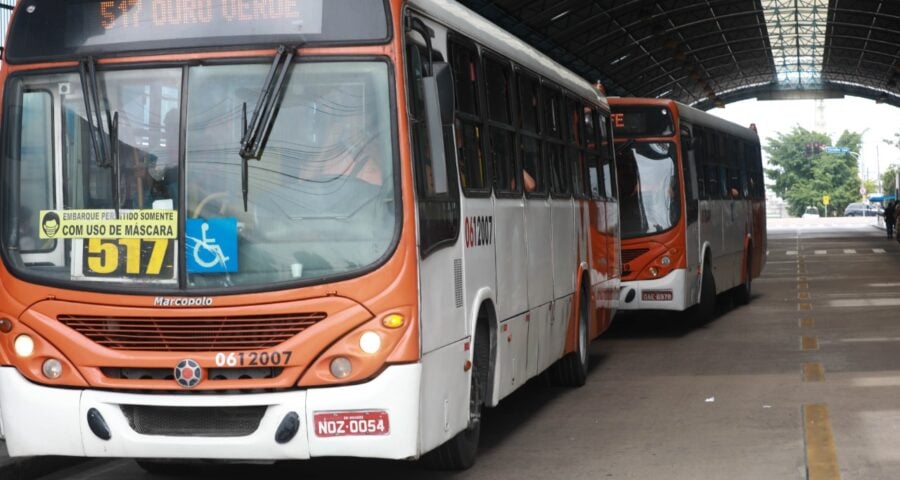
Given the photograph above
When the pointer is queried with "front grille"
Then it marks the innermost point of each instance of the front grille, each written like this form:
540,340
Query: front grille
632,253
194,421
195,334
213,374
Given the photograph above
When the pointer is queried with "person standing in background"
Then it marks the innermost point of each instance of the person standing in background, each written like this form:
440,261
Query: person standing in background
889,219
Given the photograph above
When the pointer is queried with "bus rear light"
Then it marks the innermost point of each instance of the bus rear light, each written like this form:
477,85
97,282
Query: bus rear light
24,346
5,325
341,367
370,342
665,261
393,321
654,271
52,368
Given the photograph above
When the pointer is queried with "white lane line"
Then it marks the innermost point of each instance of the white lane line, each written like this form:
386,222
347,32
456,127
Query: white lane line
884,285
821,252
876,382
849,250
878,250
870,302
871,340
791,252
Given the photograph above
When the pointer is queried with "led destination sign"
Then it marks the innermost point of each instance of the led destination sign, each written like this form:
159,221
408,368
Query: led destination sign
119,21
61,29
212,17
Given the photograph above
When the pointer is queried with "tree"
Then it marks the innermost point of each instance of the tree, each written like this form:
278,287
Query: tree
803,173
889,180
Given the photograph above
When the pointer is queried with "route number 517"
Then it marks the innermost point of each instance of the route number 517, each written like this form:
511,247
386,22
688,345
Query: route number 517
127,256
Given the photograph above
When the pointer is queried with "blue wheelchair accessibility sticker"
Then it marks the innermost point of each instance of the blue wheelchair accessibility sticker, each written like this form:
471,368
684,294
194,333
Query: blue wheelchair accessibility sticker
211,245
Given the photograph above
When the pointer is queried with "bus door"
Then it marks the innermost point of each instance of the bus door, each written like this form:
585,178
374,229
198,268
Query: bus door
429,92
735,212
509,206
692,212
537,218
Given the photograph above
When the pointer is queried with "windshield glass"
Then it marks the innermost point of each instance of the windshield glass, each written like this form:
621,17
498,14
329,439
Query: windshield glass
648,189
321,200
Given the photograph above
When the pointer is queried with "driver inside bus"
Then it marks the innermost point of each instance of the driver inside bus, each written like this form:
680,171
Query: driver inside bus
347,143
164,170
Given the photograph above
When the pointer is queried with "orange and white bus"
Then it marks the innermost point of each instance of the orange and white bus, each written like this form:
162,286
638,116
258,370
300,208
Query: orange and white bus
692,204
290,229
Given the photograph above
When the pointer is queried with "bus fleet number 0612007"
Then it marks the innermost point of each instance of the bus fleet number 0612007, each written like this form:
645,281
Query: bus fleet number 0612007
253,359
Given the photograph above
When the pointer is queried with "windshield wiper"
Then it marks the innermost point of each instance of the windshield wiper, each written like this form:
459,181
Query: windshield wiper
105,148
256,133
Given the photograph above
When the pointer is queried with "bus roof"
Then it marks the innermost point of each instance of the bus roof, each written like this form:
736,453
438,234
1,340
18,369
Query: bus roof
688,114
476,27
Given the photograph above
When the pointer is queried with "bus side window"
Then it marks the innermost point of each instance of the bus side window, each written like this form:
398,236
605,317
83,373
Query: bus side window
35,169
689,174
559,174
530,129
473,169
574,153
607,157
501,134
435,173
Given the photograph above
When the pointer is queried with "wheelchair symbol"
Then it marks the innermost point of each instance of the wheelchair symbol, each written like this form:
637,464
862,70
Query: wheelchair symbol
207,253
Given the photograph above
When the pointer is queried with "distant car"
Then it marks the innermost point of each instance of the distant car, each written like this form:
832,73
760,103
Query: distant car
811,212
860,209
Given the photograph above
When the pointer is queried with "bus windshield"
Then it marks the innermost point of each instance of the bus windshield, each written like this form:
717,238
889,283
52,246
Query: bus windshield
648,186
321,202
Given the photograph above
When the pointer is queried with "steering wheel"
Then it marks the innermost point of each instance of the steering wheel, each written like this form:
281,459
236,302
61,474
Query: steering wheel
224,205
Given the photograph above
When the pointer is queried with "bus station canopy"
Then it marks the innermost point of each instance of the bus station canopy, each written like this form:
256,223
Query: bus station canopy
712,52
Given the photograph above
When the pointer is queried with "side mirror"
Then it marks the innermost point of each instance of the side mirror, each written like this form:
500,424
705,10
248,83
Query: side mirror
444,78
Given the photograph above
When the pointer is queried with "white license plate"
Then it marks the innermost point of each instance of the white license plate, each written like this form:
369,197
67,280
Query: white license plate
342,424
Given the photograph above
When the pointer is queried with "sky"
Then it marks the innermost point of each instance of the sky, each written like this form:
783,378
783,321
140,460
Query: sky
878,121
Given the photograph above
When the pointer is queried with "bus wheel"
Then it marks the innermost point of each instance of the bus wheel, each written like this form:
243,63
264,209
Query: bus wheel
459,452
706,310
743,291
571,370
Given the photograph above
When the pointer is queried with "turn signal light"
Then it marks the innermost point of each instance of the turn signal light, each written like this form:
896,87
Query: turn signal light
5,325
393,321
654,271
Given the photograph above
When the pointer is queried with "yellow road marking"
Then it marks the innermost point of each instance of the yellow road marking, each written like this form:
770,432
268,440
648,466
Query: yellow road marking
804,306
813,372
803,296
809,343
821,454
807,323
803,286
801,279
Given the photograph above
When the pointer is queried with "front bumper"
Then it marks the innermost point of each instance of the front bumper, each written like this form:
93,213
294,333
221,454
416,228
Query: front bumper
675,282
42,420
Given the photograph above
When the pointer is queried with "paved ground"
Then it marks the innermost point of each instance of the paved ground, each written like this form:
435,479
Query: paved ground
802,383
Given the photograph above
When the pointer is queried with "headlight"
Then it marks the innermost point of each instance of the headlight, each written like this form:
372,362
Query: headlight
341,367
24,346
52,368
370,342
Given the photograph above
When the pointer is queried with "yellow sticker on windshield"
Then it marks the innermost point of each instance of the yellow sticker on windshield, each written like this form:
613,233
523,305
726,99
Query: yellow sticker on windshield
60,224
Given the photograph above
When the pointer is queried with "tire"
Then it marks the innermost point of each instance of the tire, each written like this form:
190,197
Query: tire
459,452
571,370
743,292
706,309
